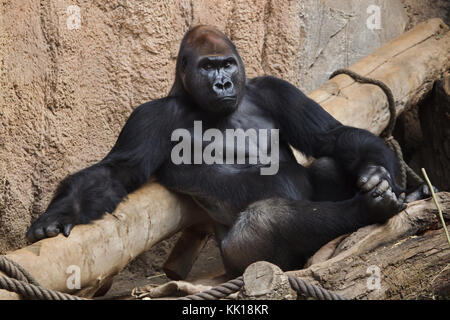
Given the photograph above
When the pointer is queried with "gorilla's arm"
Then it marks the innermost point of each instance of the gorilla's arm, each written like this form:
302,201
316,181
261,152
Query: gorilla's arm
142,146
309,128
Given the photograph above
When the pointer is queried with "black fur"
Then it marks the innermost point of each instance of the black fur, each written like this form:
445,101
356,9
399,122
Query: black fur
281,218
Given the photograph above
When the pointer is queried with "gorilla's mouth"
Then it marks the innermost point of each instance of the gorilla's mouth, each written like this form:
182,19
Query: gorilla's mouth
227,99
225,105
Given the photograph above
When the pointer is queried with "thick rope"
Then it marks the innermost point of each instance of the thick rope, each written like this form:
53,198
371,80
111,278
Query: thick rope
18,280
30,291
394,146
21,282
14,270
405,170
300,286
218,292
311,290
387,91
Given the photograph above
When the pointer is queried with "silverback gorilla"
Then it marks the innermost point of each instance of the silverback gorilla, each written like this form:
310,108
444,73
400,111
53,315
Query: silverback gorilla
282,218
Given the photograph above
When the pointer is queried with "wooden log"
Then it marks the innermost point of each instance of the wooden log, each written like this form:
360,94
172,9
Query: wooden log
103,248
406,258
408,65
265,281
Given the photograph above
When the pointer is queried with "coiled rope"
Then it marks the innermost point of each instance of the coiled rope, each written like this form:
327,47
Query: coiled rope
310,290
218,292
406,173
18,280
298,285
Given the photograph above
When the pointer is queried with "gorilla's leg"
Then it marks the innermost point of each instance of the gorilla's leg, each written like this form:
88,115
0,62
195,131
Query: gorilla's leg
284,232
423,191
253,236
287,232
329,181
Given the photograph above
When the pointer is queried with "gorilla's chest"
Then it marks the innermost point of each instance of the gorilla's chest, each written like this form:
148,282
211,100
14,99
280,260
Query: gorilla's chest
247,137
208,159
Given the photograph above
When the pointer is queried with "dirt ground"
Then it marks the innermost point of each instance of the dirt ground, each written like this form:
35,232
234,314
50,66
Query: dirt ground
147,268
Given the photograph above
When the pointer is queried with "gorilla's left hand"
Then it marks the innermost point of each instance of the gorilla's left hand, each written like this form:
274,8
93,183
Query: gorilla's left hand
376,182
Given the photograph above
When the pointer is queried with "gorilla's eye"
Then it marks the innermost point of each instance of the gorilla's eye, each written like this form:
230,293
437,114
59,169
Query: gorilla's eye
208,66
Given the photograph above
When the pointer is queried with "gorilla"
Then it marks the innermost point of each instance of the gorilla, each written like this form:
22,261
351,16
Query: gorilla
282,218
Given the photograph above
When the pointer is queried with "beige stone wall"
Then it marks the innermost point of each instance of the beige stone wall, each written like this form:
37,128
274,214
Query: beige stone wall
66,92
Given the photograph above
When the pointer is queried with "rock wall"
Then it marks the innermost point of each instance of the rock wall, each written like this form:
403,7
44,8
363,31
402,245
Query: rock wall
68,82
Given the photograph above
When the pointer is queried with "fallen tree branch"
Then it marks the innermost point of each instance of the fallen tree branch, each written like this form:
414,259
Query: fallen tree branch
101,249
410,252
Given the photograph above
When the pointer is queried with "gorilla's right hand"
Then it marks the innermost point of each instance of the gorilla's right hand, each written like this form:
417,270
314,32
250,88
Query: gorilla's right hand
79,199
380,200
51,223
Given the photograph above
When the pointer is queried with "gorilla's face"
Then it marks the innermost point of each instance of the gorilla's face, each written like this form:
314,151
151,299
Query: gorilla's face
212,71
216,83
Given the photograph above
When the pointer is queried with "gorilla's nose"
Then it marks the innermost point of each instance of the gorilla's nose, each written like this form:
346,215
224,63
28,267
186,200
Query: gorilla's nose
223,87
